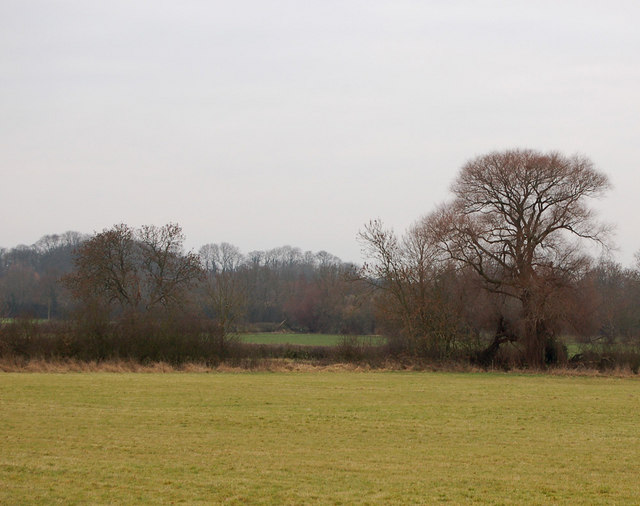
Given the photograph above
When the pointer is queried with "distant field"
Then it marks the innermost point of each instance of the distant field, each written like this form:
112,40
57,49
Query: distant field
306,339
318,437
14,320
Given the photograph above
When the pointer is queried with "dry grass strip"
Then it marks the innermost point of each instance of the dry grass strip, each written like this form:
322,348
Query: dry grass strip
273,365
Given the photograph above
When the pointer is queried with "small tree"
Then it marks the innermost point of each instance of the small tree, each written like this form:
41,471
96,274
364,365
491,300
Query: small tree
224,290
411,273
167,273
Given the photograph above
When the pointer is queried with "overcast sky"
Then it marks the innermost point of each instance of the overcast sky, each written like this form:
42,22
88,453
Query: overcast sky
263,123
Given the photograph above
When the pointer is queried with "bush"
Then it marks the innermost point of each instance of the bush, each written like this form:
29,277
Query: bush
605,357
173,340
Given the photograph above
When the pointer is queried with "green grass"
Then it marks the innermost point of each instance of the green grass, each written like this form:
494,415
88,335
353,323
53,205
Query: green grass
337,438
306,339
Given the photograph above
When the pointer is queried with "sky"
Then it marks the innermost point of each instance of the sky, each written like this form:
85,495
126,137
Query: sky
267,123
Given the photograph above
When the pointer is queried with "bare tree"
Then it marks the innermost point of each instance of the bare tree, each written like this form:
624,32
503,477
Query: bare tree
167,272
221,257
411,272
225,292
137,270
106,269
516,220
609,301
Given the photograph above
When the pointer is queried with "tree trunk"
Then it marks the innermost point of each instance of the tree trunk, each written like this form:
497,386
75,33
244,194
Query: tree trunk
503,335
534,333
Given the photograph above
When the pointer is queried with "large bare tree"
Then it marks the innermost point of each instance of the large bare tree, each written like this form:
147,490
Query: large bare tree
135,270
517,219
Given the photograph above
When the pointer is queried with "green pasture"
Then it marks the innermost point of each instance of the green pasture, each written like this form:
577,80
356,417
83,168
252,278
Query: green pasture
318,437
308,339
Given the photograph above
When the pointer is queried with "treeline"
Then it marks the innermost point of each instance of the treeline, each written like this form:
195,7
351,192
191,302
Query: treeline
104,292
135,294
286,289
115,272
497,276
30,277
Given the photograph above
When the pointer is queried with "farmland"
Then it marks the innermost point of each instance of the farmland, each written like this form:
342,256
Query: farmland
318,437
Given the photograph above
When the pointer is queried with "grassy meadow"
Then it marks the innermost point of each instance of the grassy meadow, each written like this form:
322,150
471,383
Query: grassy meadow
306,339
318,437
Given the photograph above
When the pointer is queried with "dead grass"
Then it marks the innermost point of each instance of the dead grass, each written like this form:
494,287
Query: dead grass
68,366
10,365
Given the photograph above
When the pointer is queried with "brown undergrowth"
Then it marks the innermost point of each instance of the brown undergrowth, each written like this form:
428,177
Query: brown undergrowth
126,366
276,365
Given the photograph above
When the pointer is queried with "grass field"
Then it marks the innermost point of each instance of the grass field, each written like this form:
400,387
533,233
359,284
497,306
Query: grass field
320,437
306,339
